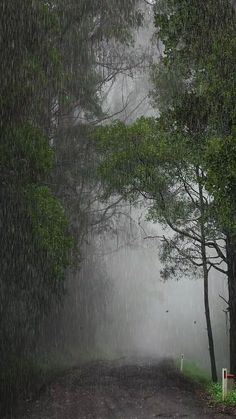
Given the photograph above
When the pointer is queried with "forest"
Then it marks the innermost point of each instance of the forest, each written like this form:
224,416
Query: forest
69,165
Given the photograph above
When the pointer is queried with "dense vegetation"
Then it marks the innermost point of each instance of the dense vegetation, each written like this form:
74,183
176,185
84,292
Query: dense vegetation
54,63
59,188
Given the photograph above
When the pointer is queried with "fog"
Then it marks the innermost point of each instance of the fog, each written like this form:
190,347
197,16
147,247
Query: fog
152,318
91,280
144,316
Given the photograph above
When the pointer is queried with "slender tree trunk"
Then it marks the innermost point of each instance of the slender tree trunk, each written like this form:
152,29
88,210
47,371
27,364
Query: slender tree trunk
205,278
208,317
231,257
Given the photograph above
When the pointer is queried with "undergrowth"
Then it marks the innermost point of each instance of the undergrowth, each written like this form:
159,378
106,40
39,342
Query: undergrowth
214,390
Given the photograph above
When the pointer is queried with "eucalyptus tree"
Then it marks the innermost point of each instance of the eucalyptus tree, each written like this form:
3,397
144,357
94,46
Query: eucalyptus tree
195,98
154,159
199,41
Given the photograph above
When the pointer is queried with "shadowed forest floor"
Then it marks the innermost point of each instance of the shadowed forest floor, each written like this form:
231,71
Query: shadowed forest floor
114,391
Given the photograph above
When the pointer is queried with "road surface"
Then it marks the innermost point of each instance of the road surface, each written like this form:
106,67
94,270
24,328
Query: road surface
115,391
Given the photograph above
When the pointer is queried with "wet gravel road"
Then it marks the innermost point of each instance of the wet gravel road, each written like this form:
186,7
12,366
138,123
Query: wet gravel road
113,391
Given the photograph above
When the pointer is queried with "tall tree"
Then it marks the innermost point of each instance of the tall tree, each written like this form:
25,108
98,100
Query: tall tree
186,28
155,160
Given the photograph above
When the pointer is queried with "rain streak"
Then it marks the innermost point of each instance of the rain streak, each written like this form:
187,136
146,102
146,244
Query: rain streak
117,209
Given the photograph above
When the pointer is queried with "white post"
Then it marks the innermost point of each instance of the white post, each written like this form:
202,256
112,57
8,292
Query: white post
182,363
224,383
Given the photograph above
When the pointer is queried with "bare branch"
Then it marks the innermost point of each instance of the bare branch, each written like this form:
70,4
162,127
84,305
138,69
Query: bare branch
213,265
227,302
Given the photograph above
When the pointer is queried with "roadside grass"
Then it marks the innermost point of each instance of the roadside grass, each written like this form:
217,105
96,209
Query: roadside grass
213,390
192,371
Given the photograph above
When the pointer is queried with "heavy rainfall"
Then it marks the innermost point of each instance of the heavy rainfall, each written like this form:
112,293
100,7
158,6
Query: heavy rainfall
118,209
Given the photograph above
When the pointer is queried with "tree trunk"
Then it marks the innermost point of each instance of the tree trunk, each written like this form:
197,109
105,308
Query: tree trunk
208,321
205,277
231,257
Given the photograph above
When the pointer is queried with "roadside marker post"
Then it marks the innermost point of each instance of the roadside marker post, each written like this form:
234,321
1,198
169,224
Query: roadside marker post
227,382
224,383
182,363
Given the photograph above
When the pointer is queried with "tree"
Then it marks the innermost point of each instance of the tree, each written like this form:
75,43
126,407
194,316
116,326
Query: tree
154,159
56,57
95,49
186,29
34,252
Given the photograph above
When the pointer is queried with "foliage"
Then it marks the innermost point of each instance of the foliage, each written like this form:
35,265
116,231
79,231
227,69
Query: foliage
49,226
215,392
221,171
32,269
25,155
132,158
186,28
156,160
53,66
30,64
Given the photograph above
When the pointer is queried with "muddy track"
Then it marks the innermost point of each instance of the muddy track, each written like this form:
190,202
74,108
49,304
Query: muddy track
115,391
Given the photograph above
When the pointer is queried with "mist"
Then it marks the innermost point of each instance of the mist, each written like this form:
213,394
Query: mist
118,226
136,314
147,317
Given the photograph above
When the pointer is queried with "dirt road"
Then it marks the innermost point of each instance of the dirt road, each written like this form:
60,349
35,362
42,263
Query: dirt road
108,391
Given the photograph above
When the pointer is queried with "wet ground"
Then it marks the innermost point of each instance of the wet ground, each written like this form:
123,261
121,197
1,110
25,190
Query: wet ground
115,391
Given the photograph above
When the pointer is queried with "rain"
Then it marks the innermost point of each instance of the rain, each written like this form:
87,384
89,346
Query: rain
118,209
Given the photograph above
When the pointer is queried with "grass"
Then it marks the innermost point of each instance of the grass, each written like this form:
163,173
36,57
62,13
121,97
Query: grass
214,390
191,370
